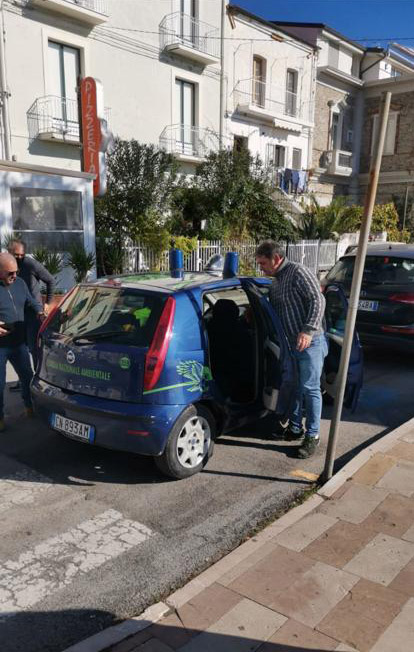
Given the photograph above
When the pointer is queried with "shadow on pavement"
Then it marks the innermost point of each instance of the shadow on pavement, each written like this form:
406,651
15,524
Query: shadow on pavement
55,631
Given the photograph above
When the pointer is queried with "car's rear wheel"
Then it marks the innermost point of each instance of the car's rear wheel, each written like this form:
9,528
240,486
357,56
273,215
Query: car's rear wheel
190,443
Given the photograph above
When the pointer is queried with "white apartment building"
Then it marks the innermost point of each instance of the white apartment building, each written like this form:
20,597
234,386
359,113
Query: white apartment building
270,77
158,61
159,64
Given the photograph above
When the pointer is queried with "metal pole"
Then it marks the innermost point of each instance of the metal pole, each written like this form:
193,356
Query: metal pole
405,206
356,286
221,119
4,92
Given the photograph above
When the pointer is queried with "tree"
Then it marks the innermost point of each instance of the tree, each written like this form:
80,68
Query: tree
140,182
231,193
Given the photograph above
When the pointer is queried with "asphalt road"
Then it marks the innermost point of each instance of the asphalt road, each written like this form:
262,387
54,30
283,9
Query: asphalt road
91,536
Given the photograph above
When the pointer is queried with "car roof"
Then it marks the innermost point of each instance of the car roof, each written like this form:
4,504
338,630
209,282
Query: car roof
395,249
165,283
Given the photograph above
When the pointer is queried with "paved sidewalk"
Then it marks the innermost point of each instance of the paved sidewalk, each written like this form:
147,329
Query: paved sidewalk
335,573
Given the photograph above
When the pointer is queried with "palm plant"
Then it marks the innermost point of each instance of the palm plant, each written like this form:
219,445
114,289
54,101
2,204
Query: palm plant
81,261
49,259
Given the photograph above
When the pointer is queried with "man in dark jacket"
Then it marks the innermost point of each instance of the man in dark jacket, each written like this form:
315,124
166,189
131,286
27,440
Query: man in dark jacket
32,272
14,299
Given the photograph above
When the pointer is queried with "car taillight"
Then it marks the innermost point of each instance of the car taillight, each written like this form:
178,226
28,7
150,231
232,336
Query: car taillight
157,352
51,314
405,297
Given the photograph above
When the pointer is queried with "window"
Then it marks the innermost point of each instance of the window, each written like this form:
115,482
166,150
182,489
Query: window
259,81
241,144
188,24
47,218
185,96
390,136
296,158
335,130
64,70
91,312
291,92
378,270
333,54
276,156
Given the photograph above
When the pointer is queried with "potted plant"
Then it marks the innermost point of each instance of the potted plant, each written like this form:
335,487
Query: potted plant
54,264
81,261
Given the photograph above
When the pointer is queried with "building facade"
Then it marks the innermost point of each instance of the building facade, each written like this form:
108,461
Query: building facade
159,67
270,93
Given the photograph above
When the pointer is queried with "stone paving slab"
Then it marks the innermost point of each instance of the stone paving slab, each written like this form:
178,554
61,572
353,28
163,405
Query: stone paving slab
336,573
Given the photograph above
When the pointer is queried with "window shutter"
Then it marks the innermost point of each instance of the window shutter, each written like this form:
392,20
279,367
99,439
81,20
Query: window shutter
270,154
390,137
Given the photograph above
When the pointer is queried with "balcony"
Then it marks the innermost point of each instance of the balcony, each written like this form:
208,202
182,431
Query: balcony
54,118
338,162
189,144
91,12
188,37
272,104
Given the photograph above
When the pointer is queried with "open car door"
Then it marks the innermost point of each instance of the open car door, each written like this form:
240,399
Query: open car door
335,315
277,366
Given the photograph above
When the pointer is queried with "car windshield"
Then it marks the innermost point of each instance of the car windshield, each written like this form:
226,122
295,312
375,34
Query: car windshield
382,270
101,313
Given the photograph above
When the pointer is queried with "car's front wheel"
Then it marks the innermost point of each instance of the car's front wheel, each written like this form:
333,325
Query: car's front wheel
190,443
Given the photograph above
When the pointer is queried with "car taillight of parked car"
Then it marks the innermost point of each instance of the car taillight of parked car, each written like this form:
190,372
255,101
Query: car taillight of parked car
403,297
155,358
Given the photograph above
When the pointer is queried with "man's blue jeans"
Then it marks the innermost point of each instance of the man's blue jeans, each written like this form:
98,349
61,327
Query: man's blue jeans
20,359
308,395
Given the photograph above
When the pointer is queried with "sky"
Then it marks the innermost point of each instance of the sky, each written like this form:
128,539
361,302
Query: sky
381,20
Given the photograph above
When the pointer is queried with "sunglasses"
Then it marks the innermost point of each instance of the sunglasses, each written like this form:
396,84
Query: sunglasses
10,274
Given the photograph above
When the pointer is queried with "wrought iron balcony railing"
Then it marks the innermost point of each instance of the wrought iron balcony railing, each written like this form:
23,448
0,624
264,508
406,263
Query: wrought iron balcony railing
251,94
186,141
93,12
55,118
190,37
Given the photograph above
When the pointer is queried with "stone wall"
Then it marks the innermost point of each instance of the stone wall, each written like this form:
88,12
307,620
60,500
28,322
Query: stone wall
403,157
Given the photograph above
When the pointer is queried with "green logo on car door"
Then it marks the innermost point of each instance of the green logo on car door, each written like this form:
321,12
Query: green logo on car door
124,362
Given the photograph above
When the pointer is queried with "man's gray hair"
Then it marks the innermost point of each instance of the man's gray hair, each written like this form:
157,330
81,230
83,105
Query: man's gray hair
14,241
270,249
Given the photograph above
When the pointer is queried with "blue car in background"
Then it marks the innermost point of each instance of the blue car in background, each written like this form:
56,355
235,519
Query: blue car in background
160,366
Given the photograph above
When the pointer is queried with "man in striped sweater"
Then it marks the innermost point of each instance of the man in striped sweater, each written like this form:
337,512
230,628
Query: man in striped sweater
296,297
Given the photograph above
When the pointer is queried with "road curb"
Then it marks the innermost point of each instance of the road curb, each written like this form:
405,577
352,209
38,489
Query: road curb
117,633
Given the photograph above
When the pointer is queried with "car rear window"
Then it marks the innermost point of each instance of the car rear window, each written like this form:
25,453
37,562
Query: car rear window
382,270
125,315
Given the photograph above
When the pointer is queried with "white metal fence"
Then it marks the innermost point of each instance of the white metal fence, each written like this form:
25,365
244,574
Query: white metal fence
317,255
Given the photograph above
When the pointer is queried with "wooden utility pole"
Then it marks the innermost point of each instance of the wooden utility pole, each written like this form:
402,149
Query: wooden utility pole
356,286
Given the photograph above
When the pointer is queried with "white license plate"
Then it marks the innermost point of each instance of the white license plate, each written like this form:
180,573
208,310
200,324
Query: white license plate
363,304
72,428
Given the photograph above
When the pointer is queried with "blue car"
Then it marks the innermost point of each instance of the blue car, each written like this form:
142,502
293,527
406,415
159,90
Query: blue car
160,366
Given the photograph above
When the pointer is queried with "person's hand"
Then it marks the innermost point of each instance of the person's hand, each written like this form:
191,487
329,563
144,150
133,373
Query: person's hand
3,331
303,342
41,315
46,309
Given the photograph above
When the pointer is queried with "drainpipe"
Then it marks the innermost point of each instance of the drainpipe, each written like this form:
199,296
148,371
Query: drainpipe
222,80
312,110
4,93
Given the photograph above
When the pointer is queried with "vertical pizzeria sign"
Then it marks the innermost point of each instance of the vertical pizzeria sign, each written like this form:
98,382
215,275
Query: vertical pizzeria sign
94,133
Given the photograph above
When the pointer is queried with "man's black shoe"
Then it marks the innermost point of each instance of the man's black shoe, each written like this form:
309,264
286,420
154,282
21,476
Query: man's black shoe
290,435
308,447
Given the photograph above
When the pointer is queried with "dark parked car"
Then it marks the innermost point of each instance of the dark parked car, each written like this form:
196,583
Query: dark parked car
386,307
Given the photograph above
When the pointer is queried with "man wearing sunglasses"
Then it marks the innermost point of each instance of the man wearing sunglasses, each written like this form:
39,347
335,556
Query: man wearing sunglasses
14,298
